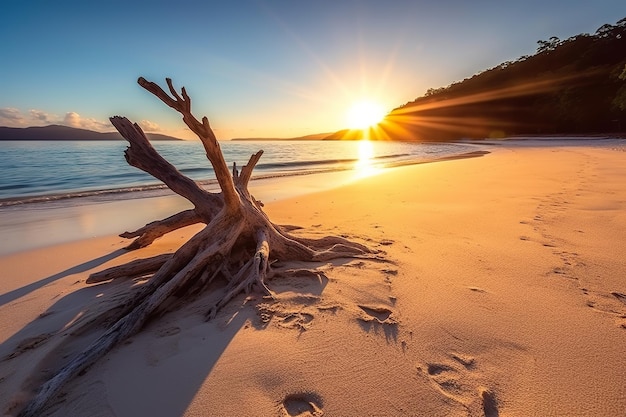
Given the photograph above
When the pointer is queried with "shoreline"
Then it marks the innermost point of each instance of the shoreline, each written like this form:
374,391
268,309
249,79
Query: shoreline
503,294
158,189
49,220
110,178
48,223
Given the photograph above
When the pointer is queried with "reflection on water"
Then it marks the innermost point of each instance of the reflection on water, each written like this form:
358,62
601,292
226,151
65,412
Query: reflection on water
364,166
31,170
47,220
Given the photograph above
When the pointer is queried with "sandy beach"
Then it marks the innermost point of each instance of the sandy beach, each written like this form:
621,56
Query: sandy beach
502,292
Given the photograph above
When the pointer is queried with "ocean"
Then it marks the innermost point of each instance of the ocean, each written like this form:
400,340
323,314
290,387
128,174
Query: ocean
45,171
53,192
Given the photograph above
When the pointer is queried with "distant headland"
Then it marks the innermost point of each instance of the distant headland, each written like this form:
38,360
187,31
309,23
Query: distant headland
58,132
316,136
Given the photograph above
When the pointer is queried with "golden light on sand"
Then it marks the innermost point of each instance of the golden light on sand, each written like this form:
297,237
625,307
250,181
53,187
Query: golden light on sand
364,114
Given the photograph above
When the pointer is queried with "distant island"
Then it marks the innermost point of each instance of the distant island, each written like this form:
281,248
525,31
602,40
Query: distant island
316,136
58,132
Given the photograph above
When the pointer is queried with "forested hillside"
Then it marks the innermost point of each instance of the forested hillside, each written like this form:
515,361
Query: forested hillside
571,86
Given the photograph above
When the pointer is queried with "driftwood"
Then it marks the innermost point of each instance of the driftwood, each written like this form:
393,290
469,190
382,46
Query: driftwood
237,245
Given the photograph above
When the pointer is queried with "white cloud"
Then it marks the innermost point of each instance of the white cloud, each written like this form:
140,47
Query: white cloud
42,116
12,117
74,119
149,126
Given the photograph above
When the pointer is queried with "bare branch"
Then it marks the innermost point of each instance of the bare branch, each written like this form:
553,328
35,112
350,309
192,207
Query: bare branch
207,137
142,155
246,171
154,230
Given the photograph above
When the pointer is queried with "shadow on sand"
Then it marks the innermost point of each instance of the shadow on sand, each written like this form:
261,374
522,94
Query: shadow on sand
85,266
174,354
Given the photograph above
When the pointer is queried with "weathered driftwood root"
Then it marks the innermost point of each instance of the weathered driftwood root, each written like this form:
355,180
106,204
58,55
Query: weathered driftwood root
152,231
238,243
132,269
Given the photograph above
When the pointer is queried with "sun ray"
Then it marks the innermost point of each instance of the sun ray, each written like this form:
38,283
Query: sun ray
474,115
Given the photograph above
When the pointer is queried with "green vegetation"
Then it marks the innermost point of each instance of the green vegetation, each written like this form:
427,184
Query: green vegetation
571,86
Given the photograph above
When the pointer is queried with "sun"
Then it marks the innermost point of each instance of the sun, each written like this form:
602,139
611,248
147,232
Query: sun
363,114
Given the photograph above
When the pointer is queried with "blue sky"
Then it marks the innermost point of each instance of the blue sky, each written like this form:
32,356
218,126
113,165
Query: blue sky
259,68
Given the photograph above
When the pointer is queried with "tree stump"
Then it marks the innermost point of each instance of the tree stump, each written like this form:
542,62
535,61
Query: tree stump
237,244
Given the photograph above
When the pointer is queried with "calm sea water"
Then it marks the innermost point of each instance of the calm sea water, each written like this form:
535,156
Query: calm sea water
57,170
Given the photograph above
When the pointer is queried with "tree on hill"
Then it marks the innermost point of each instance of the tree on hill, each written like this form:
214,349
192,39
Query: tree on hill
549,45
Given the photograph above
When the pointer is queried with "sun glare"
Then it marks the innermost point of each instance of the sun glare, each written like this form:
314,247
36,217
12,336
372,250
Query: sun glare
365,164
364,114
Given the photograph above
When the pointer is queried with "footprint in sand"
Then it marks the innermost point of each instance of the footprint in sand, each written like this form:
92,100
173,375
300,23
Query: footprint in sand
452,378
389,271
380,314
437,368
302,404
378,318
490,404
299,321
467,361
447,379
459,385
621,297
280,316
